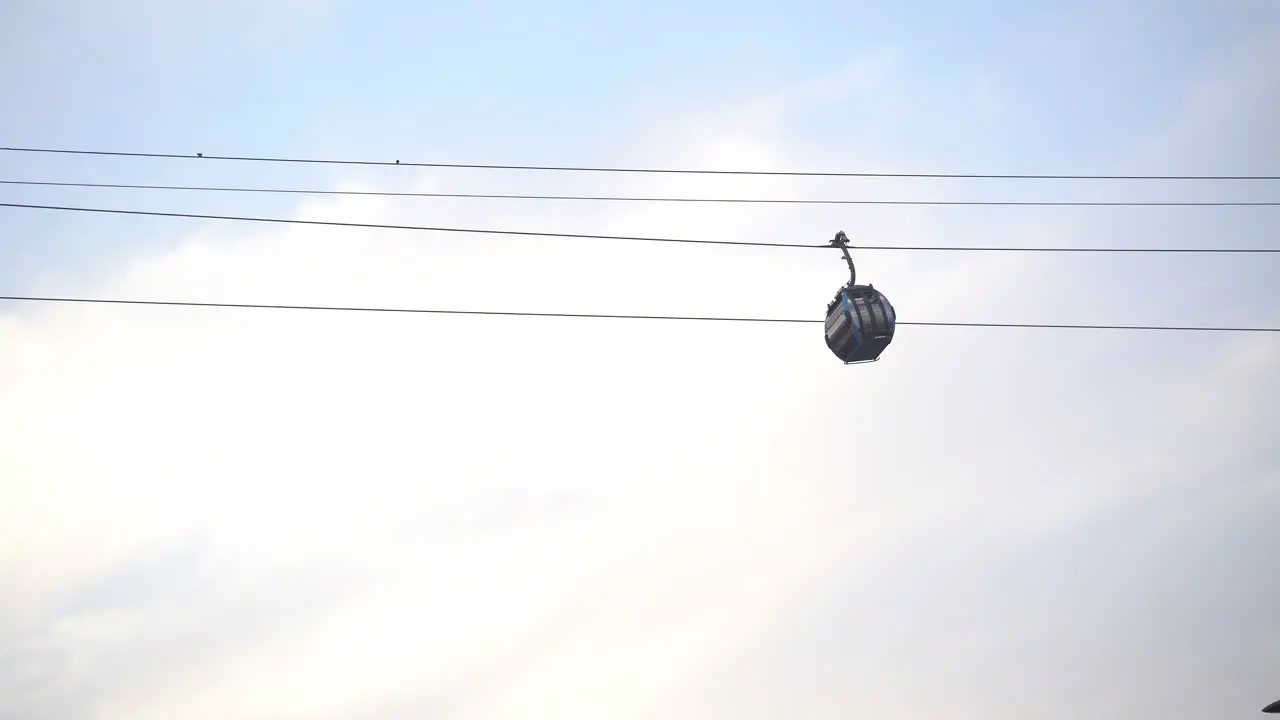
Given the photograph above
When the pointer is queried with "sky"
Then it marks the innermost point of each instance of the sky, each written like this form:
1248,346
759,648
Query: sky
250,514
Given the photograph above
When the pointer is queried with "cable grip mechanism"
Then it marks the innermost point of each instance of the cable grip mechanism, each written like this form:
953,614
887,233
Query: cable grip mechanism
842,241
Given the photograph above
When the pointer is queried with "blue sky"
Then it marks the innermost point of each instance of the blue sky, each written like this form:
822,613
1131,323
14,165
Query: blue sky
247,514
299,74
1000,87
488,79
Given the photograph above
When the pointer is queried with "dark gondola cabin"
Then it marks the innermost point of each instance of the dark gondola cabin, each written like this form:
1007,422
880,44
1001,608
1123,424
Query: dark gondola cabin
860,324
860,320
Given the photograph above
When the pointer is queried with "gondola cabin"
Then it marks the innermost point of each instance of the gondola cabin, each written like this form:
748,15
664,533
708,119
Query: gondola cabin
860,324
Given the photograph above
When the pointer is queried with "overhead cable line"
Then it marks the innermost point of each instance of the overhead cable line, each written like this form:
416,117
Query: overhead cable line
489,231
616,198
583,168
512,313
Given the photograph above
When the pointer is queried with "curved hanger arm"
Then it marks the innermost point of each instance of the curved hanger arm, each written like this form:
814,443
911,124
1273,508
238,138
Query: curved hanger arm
842,241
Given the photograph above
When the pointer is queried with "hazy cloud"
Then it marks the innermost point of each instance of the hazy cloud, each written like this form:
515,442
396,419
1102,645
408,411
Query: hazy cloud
227,514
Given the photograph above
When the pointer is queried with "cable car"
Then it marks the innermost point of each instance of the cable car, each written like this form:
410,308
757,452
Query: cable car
860,319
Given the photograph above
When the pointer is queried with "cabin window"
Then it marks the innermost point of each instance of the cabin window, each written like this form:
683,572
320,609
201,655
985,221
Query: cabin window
836,323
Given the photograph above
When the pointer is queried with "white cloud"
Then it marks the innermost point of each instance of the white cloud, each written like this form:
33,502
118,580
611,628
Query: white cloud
501,517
